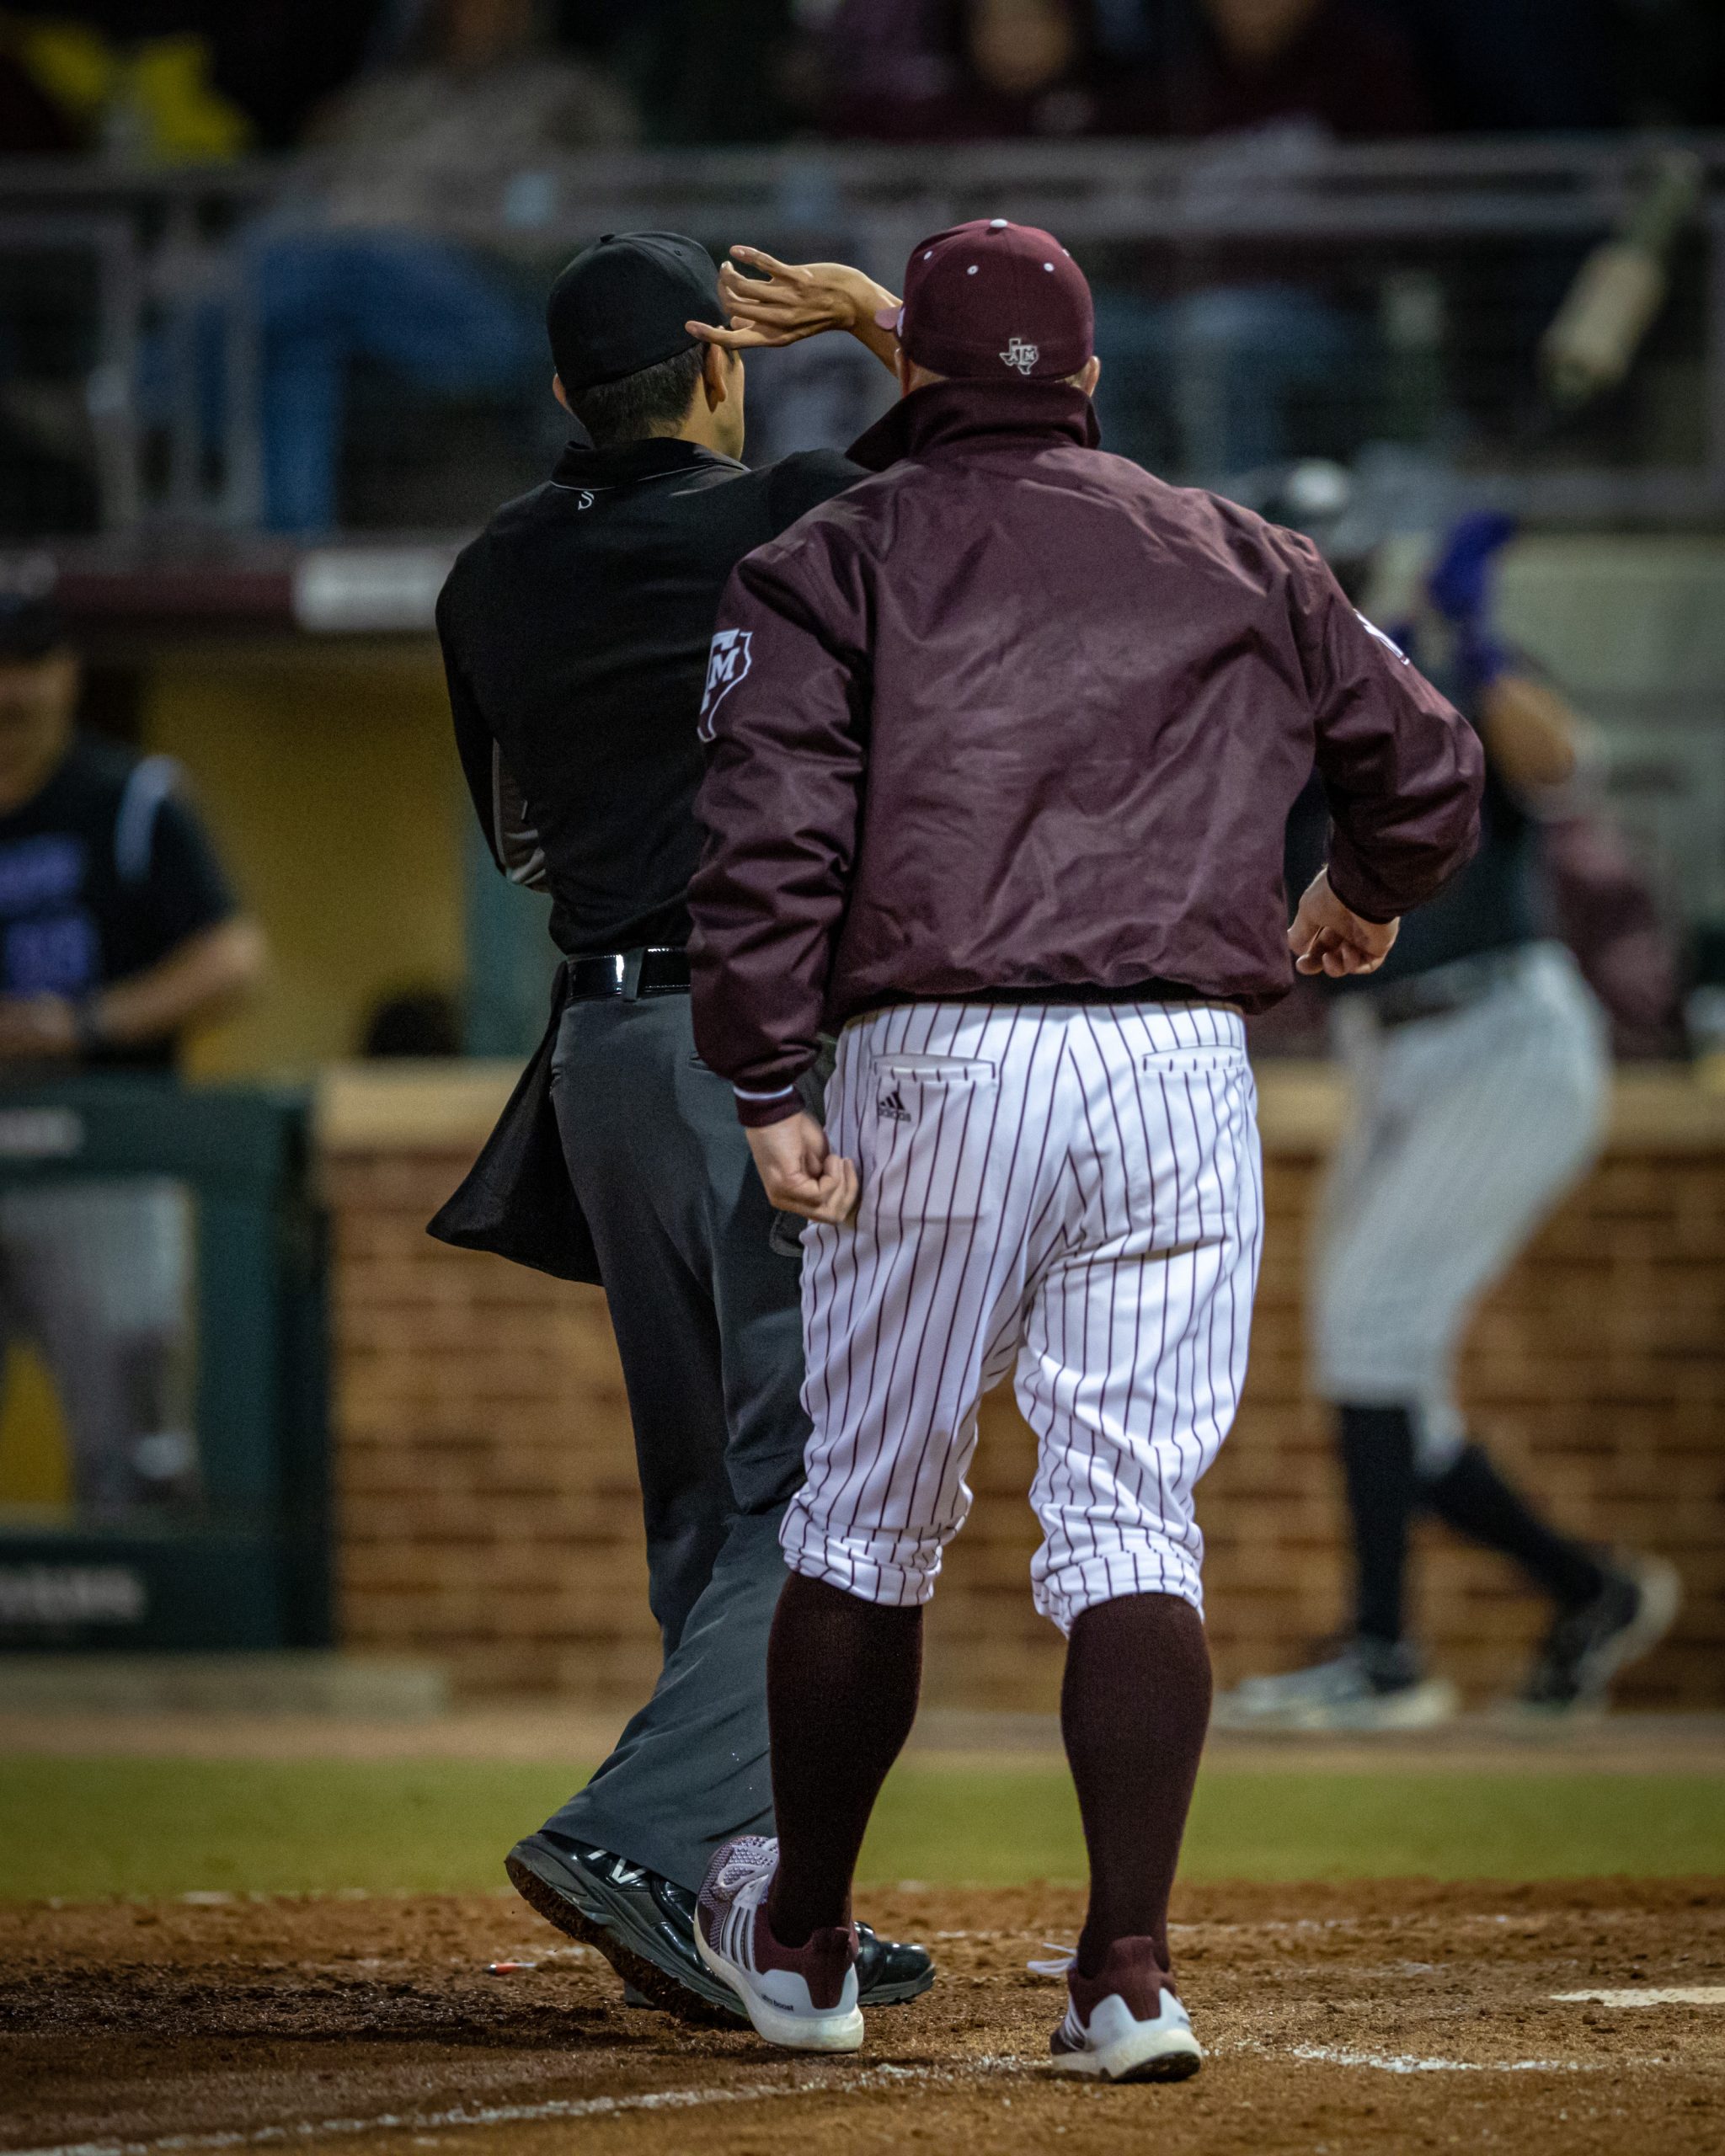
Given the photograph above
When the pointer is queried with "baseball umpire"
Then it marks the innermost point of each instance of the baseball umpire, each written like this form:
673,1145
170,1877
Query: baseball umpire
1479,1068
575,633
1001,794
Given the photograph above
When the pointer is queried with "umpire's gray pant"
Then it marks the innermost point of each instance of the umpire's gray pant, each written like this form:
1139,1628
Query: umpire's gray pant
1464,1131
708,1326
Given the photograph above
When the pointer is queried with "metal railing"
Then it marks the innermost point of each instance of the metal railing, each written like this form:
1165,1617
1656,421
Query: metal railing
1447,260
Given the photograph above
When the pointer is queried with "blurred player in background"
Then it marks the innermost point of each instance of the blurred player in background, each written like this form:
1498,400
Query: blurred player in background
1479,1065
117,930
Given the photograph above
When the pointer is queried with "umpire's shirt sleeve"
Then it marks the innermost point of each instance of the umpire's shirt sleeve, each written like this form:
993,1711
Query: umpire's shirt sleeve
498,801
784,717
1402,770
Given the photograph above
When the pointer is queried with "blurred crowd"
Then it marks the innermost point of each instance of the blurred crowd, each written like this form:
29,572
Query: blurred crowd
175,81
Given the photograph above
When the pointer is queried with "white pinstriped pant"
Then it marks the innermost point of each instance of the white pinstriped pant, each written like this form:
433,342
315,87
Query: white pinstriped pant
1074,1189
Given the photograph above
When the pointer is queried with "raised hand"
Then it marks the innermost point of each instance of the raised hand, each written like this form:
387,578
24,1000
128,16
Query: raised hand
786,302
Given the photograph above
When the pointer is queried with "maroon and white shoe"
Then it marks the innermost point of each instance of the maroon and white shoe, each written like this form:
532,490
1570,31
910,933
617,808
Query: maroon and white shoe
802,1997
1126,2023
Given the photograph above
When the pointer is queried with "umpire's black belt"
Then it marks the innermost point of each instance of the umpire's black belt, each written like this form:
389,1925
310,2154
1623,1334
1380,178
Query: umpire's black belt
628,975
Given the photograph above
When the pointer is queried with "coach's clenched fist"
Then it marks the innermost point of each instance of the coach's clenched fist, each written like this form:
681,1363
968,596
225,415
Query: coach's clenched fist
802,1172
1328,937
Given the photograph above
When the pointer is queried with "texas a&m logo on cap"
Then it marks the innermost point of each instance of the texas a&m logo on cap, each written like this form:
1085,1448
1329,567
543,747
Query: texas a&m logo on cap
1021,355
727,663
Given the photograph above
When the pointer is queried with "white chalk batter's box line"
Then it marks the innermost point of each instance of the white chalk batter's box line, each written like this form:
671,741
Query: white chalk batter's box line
1647,1995
871,2079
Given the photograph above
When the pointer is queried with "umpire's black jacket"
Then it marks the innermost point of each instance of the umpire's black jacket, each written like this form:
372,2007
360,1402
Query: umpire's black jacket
575,633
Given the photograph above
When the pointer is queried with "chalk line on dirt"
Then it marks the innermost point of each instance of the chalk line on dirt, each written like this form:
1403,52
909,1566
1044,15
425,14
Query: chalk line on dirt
885,2075
1413,2063
1647,1995
1410,2062
555,2111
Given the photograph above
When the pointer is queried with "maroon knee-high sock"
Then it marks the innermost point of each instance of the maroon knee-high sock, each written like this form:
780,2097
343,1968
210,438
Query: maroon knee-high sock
1133,1710
842,1677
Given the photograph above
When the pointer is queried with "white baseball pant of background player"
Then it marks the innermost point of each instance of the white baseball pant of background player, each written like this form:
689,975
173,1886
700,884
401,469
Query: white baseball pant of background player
1465,1131
1074,1189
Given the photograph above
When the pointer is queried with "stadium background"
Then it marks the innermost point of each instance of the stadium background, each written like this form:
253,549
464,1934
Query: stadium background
182,187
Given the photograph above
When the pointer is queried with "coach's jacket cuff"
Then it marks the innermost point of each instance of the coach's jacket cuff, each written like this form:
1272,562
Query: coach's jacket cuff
1374,908
755,1110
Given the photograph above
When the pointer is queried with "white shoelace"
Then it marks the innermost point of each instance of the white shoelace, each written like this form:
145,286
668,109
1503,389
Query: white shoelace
1067,1955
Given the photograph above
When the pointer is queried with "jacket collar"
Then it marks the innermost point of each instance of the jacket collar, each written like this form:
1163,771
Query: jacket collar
578,466
943,414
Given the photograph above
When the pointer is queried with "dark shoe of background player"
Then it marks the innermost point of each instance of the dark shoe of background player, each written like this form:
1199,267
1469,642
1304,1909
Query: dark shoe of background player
644,1926
1586,1646
1368,1687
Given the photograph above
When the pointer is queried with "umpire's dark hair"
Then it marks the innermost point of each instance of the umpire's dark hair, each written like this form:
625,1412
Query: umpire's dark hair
655,400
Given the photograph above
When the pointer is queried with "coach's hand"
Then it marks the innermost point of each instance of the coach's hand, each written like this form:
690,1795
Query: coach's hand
1328,937
801,1171
784,302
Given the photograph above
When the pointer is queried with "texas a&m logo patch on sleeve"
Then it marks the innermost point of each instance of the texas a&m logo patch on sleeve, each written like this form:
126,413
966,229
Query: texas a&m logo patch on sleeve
728,661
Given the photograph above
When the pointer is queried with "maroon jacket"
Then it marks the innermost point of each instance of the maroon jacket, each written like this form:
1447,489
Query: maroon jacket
1013,715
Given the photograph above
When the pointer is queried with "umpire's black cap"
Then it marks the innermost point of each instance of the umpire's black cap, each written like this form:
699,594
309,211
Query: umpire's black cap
31,625
620,305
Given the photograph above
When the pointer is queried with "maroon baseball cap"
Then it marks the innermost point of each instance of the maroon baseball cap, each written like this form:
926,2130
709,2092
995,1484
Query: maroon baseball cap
995,298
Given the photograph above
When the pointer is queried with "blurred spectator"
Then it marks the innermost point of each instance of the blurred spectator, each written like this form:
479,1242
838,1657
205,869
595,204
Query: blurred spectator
922,70
133,84
117,932
1204,377
703,71
176,81
1245,63
338,276
1268,80
951,69
278,59
1495,66
476,86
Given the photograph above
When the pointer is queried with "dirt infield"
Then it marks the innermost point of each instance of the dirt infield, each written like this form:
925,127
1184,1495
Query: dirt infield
1384,2016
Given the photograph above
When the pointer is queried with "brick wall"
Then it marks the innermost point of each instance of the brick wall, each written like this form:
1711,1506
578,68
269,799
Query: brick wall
489,1514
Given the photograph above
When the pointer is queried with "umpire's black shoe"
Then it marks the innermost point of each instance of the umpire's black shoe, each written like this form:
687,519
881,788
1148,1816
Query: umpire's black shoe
889,1970
644,1926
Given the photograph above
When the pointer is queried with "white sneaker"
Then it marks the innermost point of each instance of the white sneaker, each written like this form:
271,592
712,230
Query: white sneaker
1365,1689
1126,2023
804,1998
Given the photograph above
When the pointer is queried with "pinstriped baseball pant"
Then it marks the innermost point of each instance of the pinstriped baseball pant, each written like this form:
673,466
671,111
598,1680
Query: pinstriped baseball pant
1072,1190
